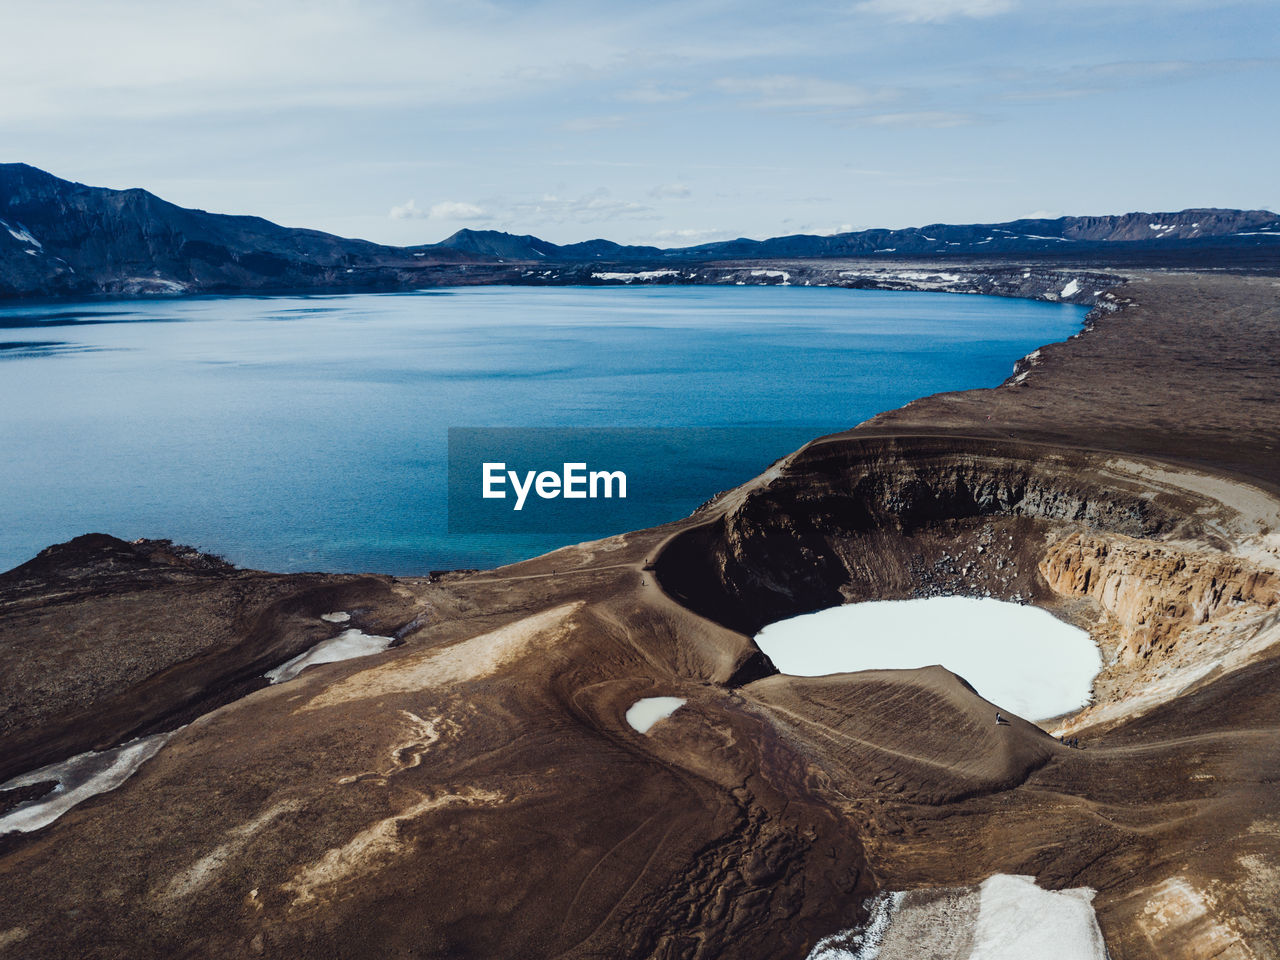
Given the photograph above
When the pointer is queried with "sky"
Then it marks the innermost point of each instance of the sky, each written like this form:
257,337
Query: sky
668,123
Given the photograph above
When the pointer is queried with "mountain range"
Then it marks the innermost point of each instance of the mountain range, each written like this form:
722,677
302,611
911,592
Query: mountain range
60,238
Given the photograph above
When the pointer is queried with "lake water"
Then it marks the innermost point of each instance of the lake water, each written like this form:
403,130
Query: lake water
309,433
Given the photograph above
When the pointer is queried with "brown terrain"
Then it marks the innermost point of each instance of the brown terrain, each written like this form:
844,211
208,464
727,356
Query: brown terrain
475,791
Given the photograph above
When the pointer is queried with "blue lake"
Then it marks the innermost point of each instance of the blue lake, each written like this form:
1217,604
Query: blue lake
309,433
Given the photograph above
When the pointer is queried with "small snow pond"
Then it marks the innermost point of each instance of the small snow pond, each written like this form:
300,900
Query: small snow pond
1019,657
347,645
643,714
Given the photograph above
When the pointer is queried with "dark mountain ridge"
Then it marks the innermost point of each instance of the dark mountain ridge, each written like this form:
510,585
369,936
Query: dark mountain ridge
62,237
59,238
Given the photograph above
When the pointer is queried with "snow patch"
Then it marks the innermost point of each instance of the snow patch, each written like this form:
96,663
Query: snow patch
642,275
347,645
1018,657
786,277
861,944
644,713
340,616
1006,918
1071,289
79,778
1017,920
22,234
923,275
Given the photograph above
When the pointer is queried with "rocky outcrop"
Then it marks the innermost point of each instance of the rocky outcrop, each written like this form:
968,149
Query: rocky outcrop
1156,593
1168,617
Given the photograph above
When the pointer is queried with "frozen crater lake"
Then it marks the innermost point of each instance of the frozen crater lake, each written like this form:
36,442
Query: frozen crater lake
1019,657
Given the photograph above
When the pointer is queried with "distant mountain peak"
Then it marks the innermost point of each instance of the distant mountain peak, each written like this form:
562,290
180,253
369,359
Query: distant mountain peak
58,237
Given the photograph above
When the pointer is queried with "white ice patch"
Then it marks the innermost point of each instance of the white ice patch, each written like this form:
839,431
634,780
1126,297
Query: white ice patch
83,776
22,234
922,275
642,275
347,645
1018,920
1006,918
340,616
861,944
921,278
1070,289
786,277
1019,657
643,714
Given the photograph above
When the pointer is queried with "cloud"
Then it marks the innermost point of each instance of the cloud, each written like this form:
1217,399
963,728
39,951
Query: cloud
689,236
446,210
785,91
588,124
457,210
594,207
136,59
934,119
652,93
934,11
1091,79
671,191
408,211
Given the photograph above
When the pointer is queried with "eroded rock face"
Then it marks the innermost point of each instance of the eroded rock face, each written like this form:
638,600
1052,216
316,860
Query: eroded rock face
1156,592
1167,616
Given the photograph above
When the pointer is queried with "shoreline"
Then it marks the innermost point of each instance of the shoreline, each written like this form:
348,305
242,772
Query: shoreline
982,319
